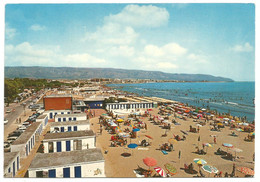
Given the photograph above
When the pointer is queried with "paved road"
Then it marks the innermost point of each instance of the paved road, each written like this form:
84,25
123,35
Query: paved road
15,114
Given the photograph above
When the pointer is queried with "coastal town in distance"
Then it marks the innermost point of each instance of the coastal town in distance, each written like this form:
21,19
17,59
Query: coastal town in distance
129,90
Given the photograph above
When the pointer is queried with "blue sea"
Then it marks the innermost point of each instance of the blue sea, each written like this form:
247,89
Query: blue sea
236,98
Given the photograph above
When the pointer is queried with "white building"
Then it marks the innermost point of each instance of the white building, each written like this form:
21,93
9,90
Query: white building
51,113
42,119
69,126
129,106
69,141
81,163
11,163
26,141
70,117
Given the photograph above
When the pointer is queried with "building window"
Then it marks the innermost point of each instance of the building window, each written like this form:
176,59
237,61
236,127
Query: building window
66,172
59,119
69,128
50,146
64,119
74,119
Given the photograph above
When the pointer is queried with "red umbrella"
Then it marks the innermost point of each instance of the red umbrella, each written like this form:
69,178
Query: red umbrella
149,161
160,171
246,171
149,136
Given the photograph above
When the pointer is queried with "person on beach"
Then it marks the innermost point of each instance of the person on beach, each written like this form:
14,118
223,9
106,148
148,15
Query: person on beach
215,140
198,129
145,126
179,154
233,170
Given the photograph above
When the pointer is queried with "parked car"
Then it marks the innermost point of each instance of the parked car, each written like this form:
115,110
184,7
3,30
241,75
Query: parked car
15,134
12,139
8,111
5,121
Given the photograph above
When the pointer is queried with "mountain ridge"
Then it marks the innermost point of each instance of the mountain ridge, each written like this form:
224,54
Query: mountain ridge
86,73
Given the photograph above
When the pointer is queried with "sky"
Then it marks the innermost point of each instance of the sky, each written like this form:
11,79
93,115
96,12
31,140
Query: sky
215,39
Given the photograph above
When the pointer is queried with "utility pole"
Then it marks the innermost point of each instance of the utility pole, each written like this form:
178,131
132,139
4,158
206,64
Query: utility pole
24,105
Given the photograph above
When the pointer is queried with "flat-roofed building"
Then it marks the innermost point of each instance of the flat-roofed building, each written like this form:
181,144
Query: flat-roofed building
69,126
70,117
42,119
11,164
129,106
26,141
52,113
80,163
57,102
69,141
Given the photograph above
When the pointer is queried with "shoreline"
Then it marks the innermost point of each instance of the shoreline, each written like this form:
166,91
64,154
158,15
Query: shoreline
194,106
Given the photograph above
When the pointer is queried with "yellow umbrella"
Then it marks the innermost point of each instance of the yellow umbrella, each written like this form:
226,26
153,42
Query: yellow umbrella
238,121
120,120
172,141
220,124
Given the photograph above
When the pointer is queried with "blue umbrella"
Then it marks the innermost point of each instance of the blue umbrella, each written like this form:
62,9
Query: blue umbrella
132,145
208,113
136,129
195,113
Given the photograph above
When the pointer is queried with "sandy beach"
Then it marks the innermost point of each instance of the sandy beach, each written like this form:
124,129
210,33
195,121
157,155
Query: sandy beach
119,166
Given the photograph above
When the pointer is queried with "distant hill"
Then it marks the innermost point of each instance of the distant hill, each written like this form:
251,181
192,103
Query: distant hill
86,73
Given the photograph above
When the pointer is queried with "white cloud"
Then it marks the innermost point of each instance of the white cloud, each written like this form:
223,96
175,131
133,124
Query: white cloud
169,51
243,48
166,65
26,54
140,16
121,51
9,32
37,27
197,58
112,34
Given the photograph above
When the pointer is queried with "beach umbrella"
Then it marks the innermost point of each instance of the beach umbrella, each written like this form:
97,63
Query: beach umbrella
149,161
123,134
239,129
136,129
170,168
199,125
236,150
120,120
104,114
179,112
207,113
187,111
203,109
210,169
172,141
148,136
228,145
246,171
207,144
132,145
195,113
252,133
200,161
160,171
226,119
